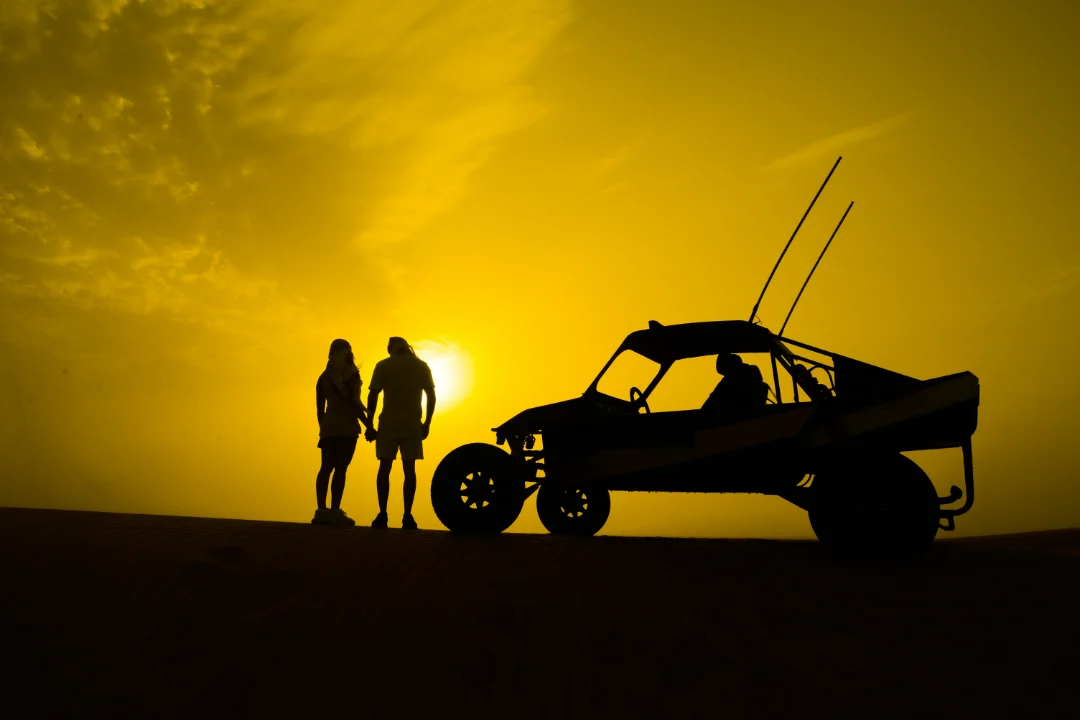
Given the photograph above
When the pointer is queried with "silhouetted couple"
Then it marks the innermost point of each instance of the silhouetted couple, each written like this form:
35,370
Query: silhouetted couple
401,378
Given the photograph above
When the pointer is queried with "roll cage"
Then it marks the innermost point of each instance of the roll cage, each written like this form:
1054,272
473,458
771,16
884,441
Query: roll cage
667,344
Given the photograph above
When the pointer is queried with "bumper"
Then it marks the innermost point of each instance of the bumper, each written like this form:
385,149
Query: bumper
948,515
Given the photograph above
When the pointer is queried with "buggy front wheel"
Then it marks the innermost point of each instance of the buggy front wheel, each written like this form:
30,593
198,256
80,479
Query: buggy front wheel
478,488
572,511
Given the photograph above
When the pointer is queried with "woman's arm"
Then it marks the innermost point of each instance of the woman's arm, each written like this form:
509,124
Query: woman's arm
358,406
320,400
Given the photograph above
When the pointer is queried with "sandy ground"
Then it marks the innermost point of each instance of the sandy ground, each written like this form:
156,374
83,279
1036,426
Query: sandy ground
108,615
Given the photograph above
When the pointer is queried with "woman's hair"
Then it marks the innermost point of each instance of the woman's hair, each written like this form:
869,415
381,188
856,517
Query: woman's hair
339,344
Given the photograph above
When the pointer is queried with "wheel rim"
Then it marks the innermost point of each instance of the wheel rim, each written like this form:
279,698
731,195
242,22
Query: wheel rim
477,490
574,504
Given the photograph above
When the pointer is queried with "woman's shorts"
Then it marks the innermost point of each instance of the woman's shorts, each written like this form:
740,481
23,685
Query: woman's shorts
412,448
337,451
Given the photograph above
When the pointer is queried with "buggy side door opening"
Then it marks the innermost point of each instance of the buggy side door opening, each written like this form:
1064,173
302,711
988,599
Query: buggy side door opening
630,377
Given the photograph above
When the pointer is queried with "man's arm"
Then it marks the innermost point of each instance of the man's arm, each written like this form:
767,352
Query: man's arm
428,383
430,393
761,388
713,402
372,402
374,389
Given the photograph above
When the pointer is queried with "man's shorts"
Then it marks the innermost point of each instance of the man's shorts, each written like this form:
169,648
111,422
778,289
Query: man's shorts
412,448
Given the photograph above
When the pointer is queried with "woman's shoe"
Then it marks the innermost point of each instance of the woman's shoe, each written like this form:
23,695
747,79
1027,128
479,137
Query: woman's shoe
379,521
338,517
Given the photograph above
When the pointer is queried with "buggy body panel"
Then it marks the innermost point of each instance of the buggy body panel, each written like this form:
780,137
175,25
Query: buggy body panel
606,441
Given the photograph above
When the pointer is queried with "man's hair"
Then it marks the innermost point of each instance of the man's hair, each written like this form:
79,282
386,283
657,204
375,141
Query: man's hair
339,344
401,343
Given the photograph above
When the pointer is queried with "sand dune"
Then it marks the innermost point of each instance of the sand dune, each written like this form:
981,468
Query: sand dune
107,615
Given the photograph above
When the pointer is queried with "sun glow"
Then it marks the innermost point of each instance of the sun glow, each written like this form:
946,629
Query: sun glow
451,368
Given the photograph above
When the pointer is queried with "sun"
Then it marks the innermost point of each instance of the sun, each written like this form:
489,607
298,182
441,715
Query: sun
451,369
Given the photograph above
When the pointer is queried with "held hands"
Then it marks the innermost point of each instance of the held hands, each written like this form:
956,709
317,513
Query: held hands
370,433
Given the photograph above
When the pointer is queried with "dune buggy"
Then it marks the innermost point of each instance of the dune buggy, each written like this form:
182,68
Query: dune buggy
832,446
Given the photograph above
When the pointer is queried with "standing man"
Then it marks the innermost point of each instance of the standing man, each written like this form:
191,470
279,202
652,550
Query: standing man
340,412
401,378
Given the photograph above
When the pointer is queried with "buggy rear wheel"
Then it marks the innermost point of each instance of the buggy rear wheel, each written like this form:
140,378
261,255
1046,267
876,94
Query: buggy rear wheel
881,508
572,511
478,488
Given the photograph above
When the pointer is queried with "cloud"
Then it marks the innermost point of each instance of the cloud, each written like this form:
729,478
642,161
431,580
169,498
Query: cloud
65,254
19,20
227,163
834,143
433,85
28,145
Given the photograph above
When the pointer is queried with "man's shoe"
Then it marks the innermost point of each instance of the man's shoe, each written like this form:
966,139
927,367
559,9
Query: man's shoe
338,517
379,521
407,523
322,517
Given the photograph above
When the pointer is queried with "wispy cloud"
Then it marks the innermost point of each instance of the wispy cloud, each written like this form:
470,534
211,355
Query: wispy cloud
431,85
834,143
462,89
28,144
65,253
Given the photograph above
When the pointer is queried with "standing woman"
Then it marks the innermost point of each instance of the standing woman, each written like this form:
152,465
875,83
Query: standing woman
340,412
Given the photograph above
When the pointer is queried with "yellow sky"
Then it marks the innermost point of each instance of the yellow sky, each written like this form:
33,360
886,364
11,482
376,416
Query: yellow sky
196,197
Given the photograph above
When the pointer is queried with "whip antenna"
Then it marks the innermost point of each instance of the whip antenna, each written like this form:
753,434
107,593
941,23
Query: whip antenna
753,313
781,333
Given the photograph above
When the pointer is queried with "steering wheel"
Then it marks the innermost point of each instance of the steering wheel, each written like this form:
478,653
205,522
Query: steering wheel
644,402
